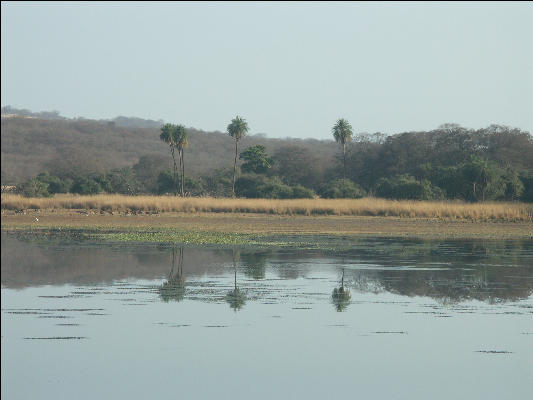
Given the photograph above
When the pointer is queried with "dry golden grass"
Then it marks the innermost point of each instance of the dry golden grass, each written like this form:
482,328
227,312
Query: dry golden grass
490,211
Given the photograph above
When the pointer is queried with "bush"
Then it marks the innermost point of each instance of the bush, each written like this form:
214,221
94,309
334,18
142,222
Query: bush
165,182
274,188
300,192
219,184
122,181
260,186
339,189
55,184
84,185
192,186
406,187
35,188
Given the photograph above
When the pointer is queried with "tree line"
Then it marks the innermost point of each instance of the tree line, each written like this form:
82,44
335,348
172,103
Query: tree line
450,162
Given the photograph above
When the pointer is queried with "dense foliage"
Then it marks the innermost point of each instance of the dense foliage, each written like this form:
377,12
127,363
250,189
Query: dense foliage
86,157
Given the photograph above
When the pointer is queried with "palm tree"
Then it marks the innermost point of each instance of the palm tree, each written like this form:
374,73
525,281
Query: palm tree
182,141
169,136
342,132
237,129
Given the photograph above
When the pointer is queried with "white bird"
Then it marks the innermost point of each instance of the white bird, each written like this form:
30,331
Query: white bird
36,219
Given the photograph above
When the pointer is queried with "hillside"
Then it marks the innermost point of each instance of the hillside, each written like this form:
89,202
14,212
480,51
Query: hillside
31,145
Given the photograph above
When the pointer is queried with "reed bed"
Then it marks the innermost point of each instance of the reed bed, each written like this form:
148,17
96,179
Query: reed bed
489,211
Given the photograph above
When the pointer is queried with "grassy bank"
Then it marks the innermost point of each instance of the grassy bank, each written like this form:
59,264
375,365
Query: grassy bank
447,210
216,227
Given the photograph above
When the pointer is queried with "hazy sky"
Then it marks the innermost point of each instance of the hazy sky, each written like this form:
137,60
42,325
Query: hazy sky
290,69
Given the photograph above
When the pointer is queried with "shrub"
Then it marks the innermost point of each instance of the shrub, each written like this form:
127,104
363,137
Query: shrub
84,185
193,187
35,188
339,189
300,192
165,182
406,187
260,186
55,184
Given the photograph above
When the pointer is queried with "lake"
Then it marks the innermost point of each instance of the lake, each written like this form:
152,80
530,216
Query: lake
360,318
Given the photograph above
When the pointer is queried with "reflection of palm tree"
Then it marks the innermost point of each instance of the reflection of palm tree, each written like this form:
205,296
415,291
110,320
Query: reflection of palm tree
341,296
235,297
174,287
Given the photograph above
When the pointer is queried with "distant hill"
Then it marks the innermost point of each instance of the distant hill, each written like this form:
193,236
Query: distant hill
11,112
133,122
125,122
32,144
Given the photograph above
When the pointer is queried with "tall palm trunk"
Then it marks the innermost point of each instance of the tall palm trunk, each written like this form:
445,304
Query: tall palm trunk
175,172
182,173
179,169
234,167
344,163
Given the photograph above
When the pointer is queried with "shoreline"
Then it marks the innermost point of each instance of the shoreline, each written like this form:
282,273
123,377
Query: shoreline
223,226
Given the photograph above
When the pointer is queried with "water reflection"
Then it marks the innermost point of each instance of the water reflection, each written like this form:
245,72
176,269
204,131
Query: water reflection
341,296
254,263
448,271
61,297
235,297
174,287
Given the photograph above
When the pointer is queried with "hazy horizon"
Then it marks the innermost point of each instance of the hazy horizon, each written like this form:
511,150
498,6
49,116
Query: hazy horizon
290,69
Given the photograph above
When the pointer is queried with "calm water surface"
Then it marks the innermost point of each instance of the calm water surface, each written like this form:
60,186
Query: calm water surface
380,319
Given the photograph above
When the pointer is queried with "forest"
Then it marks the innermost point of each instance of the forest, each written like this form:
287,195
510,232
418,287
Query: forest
43,156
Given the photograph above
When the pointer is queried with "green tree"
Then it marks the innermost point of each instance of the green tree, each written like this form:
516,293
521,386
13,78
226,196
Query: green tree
237,129
55,184
169,135
514,188
35,188
256,160
483,177
342,132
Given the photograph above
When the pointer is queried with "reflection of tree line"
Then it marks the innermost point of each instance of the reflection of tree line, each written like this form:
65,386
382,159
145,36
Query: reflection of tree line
174,287
501,280
490,284
456,252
